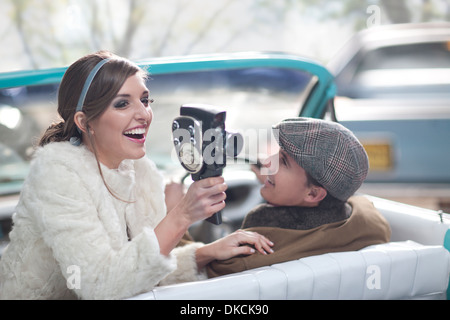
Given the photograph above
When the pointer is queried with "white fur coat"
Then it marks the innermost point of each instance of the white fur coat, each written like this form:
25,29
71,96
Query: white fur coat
70,235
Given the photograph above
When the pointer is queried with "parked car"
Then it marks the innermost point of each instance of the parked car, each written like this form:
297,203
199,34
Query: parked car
257,90
393,91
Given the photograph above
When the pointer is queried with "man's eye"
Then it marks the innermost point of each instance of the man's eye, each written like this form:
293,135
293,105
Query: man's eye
283,161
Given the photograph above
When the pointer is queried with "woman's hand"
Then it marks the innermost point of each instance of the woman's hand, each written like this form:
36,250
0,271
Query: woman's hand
203,199
240,242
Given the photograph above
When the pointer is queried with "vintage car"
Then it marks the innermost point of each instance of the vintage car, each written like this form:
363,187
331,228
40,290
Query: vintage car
257,90
393,91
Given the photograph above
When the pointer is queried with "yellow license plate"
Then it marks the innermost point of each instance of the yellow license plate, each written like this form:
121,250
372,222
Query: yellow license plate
380,156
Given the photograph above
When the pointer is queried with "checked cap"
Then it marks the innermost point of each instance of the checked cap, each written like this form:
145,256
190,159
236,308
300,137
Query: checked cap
328,151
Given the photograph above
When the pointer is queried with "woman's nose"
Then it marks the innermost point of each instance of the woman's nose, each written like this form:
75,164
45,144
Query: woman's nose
144,112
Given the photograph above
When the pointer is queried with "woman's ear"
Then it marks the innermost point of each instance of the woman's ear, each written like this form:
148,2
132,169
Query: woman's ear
80,121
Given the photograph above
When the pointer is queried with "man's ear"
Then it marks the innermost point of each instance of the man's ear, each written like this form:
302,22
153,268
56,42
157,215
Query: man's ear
80,120
316,194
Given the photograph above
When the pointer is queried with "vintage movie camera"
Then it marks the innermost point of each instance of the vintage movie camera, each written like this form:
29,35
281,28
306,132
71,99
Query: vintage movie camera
202,144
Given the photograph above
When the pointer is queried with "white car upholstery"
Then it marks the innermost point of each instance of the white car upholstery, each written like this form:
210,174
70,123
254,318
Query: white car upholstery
402,269
396,270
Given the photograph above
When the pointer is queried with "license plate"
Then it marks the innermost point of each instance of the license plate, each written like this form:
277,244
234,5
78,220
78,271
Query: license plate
380,155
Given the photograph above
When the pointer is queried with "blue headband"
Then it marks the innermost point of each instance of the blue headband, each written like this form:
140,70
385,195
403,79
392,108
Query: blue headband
88,82
76,141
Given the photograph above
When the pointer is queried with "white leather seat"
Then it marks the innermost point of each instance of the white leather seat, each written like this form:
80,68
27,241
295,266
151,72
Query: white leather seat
395,270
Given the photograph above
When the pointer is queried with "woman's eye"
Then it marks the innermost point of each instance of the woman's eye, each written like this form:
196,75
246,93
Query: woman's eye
121,104
146,101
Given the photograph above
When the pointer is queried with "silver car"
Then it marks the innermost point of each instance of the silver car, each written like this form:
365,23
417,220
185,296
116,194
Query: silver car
394,93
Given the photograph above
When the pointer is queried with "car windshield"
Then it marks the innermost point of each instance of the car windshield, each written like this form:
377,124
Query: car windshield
254,98
419,70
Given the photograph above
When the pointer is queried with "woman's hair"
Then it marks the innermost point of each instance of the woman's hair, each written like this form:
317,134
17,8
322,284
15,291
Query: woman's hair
104,87
101,92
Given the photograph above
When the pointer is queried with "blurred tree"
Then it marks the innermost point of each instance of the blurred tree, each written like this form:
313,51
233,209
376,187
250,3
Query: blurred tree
54,33
397,11
19,8
135,17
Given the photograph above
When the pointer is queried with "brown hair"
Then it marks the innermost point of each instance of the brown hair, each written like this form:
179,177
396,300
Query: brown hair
103,89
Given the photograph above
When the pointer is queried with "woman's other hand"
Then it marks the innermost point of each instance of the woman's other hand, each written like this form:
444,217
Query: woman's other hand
240,242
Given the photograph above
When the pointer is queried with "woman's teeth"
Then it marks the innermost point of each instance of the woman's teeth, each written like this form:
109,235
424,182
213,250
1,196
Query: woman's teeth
135,131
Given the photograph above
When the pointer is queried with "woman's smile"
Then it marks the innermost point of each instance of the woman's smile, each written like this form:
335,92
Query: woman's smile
137,134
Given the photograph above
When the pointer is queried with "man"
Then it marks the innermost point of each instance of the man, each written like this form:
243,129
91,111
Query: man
310,207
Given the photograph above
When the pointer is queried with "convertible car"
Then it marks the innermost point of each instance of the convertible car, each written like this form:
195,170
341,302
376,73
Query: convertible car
257,90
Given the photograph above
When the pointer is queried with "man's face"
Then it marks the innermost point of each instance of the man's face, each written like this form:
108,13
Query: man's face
288,185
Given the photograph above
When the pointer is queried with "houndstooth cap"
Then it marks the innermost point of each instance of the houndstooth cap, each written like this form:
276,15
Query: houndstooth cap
328,151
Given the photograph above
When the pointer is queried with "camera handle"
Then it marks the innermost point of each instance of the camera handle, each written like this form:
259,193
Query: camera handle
216,218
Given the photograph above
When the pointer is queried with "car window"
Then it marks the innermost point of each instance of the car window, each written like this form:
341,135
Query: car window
254,98
410,56
414,70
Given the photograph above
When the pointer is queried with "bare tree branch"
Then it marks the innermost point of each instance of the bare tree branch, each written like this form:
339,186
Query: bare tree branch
19,8
136,14
210,22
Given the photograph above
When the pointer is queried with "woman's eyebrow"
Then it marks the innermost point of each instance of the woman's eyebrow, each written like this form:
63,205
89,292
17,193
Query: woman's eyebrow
127,95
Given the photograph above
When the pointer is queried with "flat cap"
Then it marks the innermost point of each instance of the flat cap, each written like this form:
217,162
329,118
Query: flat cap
328,151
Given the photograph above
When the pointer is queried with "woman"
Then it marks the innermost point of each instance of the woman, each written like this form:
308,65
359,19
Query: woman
91,221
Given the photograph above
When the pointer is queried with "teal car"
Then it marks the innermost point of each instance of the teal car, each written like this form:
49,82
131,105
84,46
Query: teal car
256,89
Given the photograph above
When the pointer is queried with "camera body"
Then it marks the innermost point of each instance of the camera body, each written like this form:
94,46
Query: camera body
202,144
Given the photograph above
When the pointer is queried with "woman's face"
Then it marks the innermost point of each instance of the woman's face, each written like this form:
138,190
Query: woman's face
120,132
